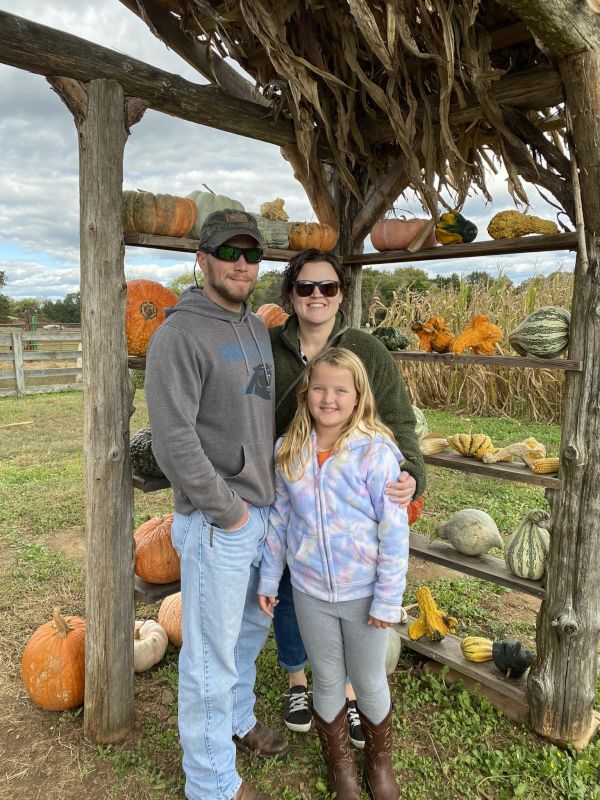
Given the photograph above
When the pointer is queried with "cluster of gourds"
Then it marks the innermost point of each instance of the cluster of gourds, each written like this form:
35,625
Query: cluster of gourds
168,215
480,446
480,336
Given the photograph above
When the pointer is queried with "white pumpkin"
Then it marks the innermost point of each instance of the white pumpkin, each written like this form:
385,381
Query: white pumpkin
149,644
206,203
470,531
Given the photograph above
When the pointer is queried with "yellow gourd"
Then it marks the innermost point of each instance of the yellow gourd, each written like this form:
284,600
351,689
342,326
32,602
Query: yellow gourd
476,648
431,622
512,224
470,444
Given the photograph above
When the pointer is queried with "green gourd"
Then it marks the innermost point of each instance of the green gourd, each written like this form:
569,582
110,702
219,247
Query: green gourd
453,228
544,333
141,455
511,657
206,203
527,548
470,531
274,232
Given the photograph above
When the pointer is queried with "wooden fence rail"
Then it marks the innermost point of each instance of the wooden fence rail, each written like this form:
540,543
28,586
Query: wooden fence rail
22,347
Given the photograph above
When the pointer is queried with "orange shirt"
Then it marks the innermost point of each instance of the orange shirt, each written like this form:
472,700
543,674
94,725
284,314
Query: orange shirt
322,456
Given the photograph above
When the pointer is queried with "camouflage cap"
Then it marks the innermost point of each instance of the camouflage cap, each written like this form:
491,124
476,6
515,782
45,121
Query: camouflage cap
220,226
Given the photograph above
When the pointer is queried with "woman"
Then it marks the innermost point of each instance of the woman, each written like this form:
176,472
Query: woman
314,287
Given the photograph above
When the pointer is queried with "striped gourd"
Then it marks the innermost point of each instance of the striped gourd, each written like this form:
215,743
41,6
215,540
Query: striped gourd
527,548
544,333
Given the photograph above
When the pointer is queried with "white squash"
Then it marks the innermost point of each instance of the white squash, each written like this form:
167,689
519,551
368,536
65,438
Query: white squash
149,644
470,531
206,203
421,428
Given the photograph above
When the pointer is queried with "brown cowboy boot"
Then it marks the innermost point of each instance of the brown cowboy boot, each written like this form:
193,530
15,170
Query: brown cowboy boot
247,792
343,778
262,741
378,758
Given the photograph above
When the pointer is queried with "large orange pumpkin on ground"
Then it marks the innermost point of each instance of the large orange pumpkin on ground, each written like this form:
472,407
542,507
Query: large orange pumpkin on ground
304,235
53,664
145,311
156,560
397,234
158,214
169,617
272,314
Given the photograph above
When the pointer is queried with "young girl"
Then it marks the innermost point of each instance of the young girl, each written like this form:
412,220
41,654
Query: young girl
346,546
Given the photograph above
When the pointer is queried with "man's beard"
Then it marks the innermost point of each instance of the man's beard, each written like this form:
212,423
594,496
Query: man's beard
229,292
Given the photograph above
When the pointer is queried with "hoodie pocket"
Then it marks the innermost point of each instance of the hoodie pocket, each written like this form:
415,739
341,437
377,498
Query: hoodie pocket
353,563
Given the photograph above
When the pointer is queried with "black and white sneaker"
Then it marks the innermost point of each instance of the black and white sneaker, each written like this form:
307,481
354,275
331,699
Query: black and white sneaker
355,730
296,713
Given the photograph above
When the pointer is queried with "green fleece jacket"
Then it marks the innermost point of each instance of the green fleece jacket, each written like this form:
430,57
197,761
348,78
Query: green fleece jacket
393,404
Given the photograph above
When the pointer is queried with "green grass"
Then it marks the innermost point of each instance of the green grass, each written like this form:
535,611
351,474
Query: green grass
448,743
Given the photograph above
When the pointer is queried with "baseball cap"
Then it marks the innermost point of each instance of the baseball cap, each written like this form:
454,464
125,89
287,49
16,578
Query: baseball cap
222,225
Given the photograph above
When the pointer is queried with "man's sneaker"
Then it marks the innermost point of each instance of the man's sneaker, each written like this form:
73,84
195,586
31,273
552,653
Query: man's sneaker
355,730
296,713
262,741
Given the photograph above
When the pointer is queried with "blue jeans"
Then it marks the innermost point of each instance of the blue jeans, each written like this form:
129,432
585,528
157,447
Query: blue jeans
223,633
290,647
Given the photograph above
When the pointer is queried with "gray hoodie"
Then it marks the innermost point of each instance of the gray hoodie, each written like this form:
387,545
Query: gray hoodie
209,387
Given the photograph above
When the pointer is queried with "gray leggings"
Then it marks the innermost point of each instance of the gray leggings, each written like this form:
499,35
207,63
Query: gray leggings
340,643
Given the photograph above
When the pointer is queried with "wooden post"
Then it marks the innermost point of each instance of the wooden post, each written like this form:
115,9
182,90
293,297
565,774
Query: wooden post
347,208
110,610
17,348
563,680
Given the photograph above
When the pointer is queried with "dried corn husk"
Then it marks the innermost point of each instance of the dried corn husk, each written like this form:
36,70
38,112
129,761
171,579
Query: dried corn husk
433,443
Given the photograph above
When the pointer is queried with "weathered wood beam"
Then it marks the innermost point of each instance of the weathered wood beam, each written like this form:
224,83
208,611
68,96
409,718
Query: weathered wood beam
381,198
563,679
562,26
110,610
533,89
46,51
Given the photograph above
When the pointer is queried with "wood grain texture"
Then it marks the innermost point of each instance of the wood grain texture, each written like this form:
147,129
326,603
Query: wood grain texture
449,359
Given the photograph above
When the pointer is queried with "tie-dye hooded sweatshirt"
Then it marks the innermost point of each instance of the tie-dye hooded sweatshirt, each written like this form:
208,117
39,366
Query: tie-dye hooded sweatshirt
339,533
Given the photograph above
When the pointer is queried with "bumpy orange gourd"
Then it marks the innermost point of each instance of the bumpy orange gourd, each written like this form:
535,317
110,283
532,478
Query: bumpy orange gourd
158,214
397,234
53,664
145,311
156,560
272,314
169,616
481,335
434,335
304,235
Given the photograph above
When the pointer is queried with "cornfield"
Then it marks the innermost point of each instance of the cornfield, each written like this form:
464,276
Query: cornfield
522,393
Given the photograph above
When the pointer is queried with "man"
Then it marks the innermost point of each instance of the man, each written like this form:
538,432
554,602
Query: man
209,387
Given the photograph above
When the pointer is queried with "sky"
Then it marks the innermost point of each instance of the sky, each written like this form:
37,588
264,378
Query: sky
39,185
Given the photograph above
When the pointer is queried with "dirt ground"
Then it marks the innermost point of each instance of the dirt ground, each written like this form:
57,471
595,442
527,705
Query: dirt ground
41,758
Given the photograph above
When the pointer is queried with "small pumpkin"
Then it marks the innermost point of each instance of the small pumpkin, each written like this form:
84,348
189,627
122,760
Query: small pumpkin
470,531
476,648
156,560
453,228
397,234
472,445
207,202
544,333
53,663
169,617
158,214
511,657
150,642
144,312
304,235
272,314
528,547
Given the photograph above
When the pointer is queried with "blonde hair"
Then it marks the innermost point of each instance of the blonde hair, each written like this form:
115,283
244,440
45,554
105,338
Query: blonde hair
292,456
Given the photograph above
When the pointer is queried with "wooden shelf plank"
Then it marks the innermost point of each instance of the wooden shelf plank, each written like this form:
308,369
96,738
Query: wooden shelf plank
495,360
191,245
448,652
136,362
487,567
510,471
145,483
492,247
151,592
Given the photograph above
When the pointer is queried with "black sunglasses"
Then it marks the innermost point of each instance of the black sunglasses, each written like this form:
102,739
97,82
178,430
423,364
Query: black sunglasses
327,288
229,252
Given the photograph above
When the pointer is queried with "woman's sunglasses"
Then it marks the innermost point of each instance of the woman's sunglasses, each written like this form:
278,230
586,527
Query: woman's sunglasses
228,252
327,288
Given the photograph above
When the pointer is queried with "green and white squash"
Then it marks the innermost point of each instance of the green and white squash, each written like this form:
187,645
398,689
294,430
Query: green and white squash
544,333
470,531
206,203
527,548
274,232
421,428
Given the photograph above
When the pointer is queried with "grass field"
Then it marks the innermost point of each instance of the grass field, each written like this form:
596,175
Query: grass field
448,743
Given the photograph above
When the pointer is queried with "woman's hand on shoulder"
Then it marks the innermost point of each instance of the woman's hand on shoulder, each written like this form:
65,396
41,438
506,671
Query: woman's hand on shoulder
379,623
267,604
403,490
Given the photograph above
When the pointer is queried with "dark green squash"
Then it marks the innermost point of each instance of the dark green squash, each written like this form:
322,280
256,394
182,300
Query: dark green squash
391,338
141,455
511,657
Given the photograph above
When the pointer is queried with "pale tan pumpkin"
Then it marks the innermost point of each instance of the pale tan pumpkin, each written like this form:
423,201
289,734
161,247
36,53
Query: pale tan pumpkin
169,616
150,642
272,314
397,234
156,560
304,235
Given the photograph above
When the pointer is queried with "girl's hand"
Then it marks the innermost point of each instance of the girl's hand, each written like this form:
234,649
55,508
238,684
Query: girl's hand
267,604
402,492
380,623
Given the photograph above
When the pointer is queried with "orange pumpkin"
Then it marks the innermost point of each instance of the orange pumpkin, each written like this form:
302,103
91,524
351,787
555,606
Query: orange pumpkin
272,314
397,234
304,235
156,560
414,509
144,312
169,617
159,214
53,665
